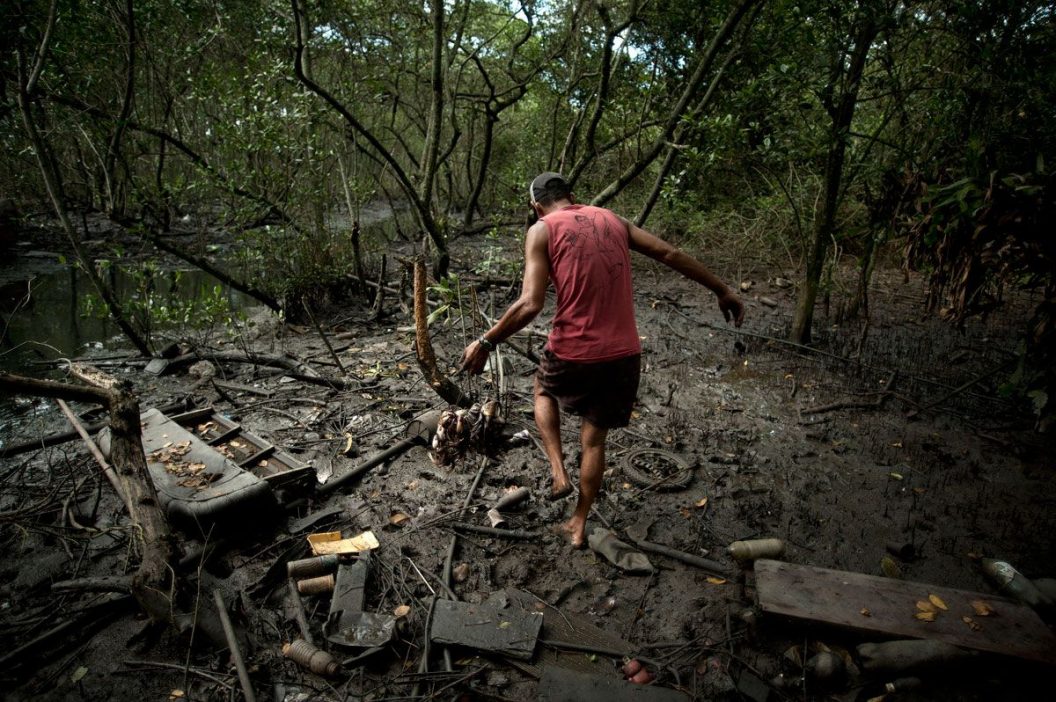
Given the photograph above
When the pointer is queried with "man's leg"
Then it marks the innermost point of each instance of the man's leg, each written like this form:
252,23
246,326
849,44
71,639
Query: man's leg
591,468
548,419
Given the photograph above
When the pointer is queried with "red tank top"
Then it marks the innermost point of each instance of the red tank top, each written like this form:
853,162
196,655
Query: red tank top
590,265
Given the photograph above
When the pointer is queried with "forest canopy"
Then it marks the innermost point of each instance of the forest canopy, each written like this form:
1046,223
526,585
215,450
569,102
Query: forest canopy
813,131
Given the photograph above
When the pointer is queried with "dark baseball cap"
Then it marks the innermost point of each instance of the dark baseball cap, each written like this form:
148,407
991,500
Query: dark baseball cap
547,184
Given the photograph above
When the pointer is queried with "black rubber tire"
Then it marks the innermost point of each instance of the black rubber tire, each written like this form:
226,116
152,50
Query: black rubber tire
646,476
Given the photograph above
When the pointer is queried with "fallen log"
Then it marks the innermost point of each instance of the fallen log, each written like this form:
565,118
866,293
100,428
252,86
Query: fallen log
294,368
151,583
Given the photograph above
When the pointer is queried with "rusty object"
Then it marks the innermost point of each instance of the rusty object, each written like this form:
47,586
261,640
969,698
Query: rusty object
312,567
311,657
316,586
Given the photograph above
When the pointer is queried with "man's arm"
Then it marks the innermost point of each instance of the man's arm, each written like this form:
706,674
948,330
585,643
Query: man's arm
657,249
526,308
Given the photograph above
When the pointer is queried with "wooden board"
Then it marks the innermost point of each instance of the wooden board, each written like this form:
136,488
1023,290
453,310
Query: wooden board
838,597
563,685
570,627
510,631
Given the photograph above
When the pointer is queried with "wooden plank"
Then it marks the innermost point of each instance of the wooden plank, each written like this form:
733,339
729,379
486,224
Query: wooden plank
564,685
838,597
568,627
510,631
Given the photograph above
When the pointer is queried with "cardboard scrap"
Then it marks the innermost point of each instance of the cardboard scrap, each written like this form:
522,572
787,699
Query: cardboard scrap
330,542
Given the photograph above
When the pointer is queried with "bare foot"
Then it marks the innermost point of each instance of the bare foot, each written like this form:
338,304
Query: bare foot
576,531
560,489
561,484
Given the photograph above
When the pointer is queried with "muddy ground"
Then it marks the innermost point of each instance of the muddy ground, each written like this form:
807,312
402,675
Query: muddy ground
954,471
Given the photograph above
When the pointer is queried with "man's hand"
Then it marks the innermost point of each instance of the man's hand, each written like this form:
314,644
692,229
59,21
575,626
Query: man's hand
732,307
473,358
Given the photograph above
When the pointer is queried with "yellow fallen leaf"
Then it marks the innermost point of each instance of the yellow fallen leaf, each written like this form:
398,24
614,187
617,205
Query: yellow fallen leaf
716,581
982,608
896,476
627,486
398,518
926,616
504,625
702,502
176,694
889,568
925,606
864,611
972,624
937,601
401,611
78,674
897,444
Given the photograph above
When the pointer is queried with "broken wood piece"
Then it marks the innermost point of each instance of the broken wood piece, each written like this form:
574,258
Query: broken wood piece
559,684
298,611
423,346
240,387
510,631
876,604
232,642
707,565
108,471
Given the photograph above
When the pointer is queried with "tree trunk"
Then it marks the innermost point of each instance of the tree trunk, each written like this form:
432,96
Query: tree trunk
423,345
151,584
27,85
212,270
116,198
674,117
824,229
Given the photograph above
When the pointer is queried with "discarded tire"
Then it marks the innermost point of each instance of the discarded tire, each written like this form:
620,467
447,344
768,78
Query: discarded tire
661,470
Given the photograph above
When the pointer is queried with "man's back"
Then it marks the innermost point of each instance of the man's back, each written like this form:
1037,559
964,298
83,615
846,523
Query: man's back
591,270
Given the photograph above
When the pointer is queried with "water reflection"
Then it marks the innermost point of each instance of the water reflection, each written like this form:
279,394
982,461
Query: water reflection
42,304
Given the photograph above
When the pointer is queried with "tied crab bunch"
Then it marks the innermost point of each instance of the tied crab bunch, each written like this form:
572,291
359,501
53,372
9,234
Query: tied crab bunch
459,431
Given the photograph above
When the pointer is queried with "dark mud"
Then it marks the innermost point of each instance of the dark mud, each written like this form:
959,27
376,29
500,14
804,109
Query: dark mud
754,419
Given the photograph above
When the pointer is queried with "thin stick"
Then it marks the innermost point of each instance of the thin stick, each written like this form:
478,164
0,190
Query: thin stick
232,642
174,666
323,336
108,471
298,611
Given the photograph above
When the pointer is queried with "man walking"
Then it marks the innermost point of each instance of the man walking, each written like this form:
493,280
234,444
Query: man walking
592,359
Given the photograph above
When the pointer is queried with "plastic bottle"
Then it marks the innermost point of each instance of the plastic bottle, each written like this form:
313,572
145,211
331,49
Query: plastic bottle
316,586
757,548
1012,583
308,656
312,567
